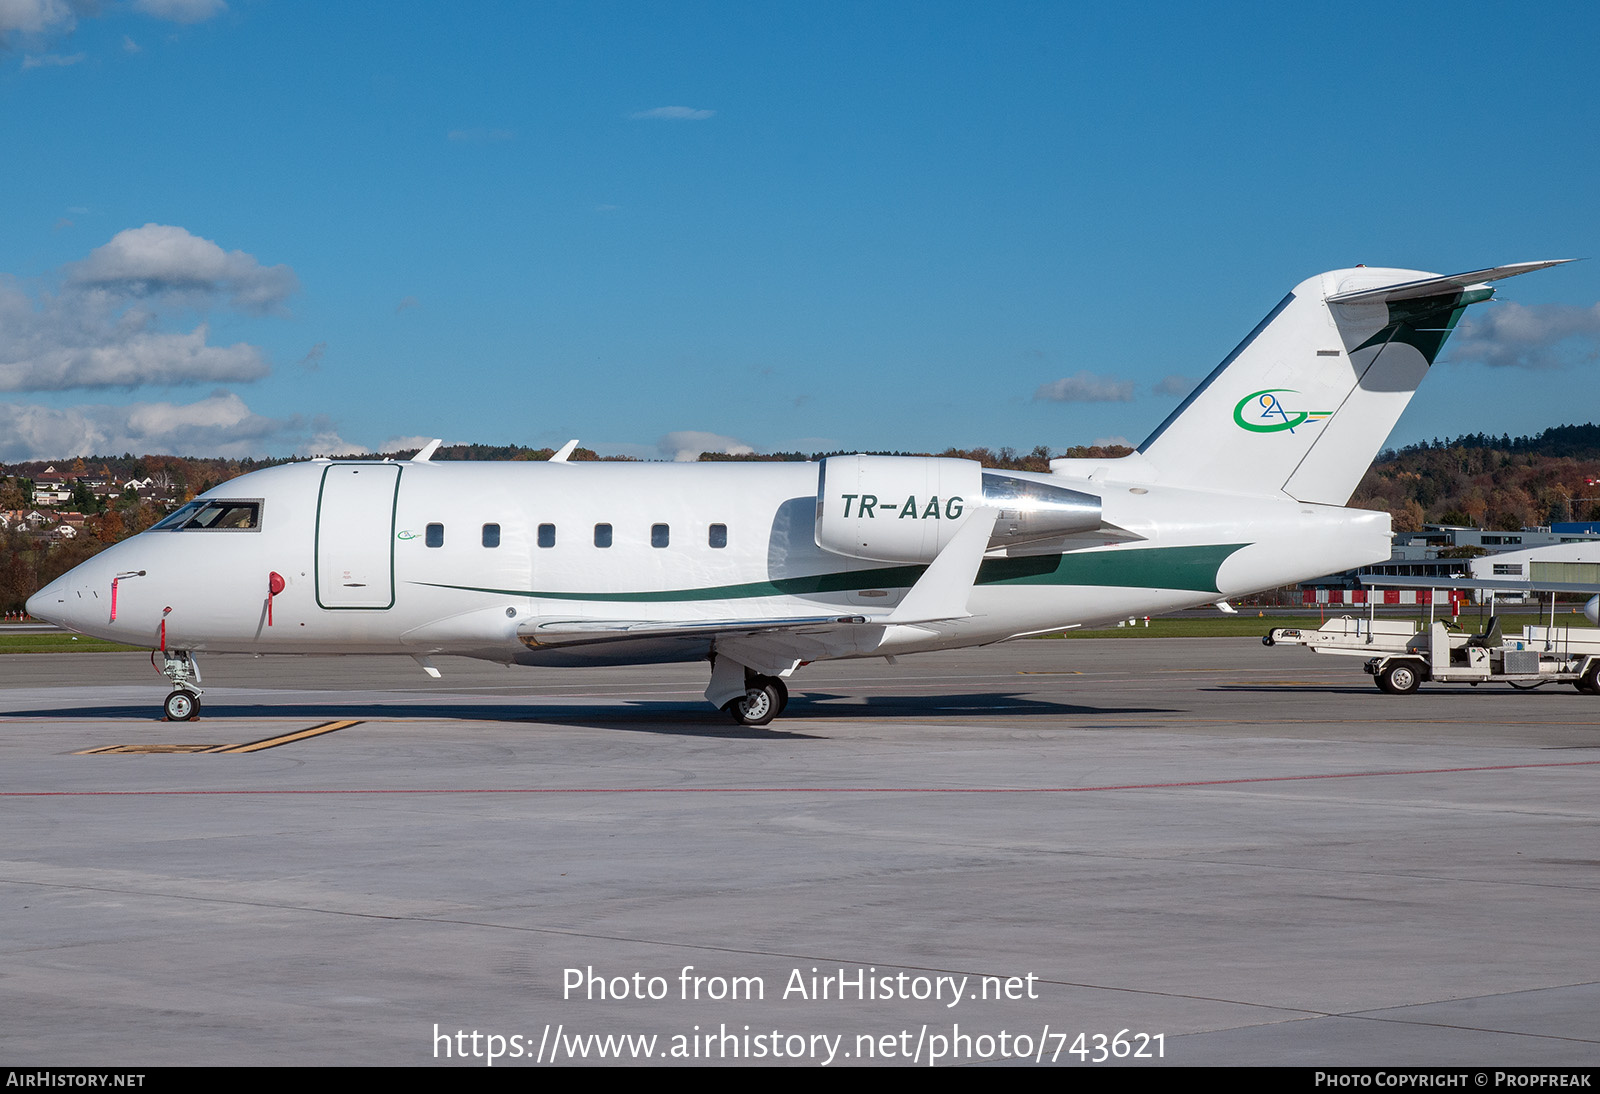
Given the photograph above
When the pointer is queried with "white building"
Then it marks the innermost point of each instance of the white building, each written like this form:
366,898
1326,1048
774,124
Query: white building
1563,563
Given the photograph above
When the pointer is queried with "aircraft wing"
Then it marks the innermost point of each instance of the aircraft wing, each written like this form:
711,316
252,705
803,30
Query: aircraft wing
564,631
774,645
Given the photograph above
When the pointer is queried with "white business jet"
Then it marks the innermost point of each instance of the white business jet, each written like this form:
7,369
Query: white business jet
760,568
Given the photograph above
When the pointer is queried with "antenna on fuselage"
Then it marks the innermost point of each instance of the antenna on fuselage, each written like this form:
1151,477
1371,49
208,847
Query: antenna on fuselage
425,453
564,451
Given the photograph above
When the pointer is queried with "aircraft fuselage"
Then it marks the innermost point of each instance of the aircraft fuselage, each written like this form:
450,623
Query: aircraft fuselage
399,557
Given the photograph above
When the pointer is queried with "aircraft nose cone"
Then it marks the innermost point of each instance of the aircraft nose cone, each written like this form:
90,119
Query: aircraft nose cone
49,603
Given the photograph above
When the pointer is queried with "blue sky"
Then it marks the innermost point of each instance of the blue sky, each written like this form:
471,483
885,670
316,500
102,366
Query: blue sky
261,227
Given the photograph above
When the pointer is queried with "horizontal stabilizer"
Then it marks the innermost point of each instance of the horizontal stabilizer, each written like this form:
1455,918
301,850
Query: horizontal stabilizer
1438,286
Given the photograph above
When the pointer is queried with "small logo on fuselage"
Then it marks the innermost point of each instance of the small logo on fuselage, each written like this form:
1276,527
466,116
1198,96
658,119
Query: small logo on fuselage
1264,412
407,534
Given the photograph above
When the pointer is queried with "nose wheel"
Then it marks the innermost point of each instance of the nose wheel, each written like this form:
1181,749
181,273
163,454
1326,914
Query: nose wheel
181,706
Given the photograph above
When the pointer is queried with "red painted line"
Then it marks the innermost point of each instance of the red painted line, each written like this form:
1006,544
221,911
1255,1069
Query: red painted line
805,789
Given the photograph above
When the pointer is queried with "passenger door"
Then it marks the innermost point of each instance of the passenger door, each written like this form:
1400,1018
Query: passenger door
355,535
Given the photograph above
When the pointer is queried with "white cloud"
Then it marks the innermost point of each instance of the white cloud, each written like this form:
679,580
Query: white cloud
130,46
1107,442
181,11
312,361
52,60
404,444
1532,336
222,410
218,425
1175,385
685,445
407,304
162,259
108,323
327,442
42,21
1086,387
673,114
57,354
35,18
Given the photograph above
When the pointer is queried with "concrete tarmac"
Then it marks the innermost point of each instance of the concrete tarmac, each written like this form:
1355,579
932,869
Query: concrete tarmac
1226,854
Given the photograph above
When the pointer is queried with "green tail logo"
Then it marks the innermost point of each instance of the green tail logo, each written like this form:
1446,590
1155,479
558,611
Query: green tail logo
1264,412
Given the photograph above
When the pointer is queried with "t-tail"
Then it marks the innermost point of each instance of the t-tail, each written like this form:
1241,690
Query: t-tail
1302,406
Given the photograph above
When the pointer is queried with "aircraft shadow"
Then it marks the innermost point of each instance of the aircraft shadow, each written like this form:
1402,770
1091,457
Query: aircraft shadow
985,702
644,716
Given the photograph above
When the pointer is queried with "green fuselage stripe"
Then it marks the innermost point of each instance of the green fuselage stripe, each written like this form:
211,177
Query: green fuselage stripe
1193,568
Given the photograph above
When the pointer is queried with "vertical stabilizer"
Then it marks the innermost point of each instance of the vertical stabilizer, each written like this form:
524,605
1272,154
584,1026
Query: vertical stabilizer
1302,406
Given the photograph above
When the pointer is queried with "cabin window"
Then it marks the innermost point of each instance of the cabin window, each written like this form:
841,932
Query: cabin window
602,535
718,536
209,515
547,535
491,535
660,535
435,535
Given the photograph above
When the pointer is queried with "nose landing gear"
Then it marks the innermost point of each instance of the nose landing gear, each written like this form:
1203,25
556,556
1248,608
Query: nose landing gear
183,704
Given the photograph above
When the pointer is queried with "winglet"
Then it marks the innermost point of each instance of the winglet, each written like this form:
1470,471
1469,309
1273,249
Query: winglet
425,453
564,451
945,586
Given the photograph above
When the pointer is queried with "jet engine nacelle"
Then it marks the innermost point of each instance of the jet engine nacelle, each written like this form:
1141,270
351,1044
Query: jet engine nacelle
906,508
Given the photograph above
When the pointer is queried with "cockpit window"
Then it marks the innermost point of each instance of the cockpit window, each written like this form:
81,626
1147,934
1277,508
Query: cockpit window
214,515
177,517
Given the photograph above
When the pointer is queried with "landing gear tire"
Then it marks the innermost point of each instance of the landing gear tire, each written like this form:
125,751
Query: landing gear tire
760,703
1399,679
181,706
783,692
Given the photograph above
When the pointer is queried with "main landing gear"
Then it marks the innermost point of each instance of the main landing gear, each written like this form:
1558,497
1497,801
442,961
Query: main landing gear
764,699
183,704
751,698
